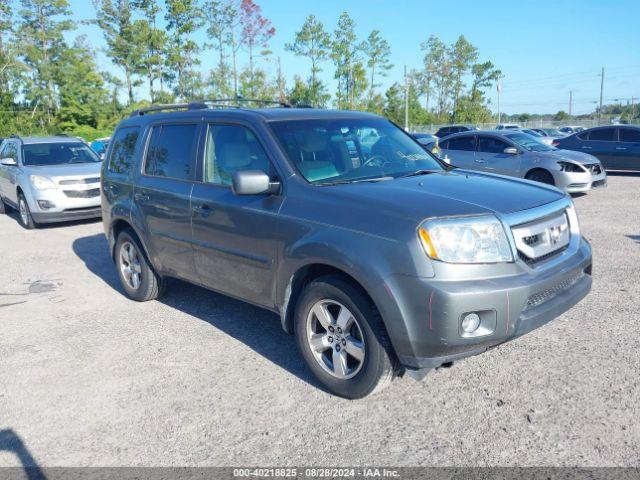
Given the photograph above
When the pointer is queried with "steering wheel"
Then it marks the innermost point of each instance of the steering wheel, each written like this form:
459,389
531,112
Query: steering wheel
383,160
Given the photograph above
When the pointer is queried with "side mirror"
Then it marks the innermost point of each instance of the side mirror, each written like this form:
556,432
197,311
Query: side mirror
8,162
253,182
511,151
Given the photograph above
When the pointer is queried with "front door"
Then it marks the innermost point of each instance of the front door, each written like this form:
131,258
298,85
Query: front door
163,194
601,142
491,154
234,237
8,173
461,151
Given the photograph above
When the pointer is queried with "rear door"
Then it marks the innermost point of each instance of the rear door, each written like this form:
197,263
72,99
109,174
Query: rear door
163,195
234,237
492,158
461,151
628,148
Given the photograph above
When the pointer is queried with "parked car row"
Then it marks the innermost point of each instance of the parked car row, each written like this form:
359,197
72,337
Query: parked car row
380,258
515,153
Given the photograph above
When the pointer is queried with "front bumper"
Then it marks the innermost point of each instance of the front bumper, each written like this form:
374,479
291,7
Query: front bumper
509,306
55,205
579,182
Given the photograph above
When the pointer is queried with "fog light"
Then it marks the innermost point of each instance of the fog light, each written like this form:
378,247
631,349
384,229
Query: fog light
470,322
45,204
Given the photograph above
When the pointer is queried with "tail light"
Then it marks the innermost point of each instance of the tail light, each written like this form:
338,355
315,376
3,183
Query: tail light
555,143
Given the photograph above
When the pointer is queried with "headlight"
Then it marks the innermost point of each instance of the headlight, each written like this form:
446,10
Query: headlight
465,240
42,183
571,167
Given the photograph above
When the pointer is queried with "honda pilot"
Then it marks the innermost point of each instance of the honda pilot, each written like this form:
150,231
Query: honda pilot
378,257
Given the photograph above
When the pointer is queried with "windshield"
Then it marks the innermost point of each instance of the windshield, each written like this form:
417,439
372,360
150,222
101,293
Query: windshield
339,151
58,154
552,132
528,142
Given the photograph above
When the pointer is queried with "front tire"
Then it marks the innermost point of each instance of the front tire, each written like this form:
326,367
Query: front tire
24,213
342,339
138,279
541,176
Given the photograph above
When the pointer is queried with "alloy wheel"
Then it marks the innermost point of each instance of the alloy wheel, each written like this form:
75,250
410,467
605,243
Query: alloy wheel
130,267
335,339
24,211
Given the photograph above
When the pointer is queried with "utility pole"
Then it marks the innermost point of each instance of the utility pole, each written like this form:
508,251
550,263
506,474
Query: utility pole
601,90
570,101
406,100
499,88
633,108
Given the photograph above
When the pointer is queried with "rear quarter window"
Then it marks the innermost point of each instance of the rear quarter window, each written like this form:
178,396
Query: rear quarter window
123,150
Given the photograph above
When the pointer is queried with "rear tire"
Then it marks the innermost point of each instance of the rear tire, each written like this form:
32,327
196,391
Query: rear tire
541,176
342,338
137,277
24,213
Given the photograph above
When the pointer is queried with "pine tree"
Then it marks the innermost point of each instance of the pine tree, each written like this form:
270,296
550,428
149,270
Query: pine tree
313,42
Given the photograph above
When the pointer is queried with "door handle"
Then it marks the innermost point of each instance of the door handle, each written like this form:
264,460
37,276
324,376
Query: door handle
203,209
141,197
621,148
587,148
480,160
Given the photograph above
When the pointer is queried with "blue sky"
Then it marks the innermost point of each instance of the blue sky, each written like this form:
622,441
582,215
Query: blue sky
544,48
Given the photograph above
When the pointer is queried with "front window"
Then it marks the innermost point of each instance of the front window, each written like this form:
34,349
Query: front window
528,142
343,151
58,154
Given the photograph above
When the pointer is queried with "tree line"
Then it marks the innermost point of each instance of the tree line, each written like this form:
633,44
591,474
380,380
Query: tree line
49,84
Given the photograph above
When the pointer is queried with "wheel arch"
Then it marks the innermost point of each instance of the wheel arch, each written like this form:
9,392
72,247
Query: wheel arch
306,274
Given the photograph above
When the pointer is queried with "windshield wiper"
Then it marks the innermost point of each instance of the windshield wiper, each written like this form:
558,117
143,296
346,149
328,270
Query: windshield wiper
357,180
416,173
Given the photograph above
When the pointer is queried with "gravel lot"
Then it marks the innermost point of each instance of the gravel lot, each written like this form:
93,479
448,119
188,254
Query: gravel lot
89,378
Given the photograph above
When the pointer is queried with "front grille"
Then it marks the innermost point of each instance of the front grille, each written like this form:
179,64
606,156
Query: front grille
532,262
542,239
94,192
80,181
539,298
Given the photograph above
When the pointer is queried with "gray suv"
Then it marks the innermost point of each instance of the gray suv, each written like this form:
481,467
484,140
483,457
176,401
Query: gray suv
378,257
49,179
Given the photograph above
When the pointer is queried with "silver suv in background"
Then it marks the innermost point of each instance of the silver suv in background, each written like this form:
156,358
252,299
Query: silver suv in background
50,179
517,154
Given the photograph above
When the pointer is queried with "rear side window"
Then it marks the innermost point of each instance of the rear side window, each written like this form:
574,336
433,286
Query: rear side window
629,135
124,146
491,145
465,144
171,151
603,134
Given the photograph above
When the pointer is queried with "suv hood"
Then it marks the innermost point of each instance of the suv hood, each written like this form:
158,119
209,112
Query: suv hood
66,170
458,192
578,157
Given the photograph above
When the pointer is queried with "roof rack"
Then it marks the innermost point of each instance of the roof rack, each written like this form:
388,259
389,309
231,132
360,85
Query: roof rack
205,104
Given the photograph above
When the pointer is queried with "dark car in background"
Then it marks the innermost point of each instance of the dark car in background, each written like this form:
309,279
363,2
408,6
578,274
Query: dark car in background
616,146
428,141
451,129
